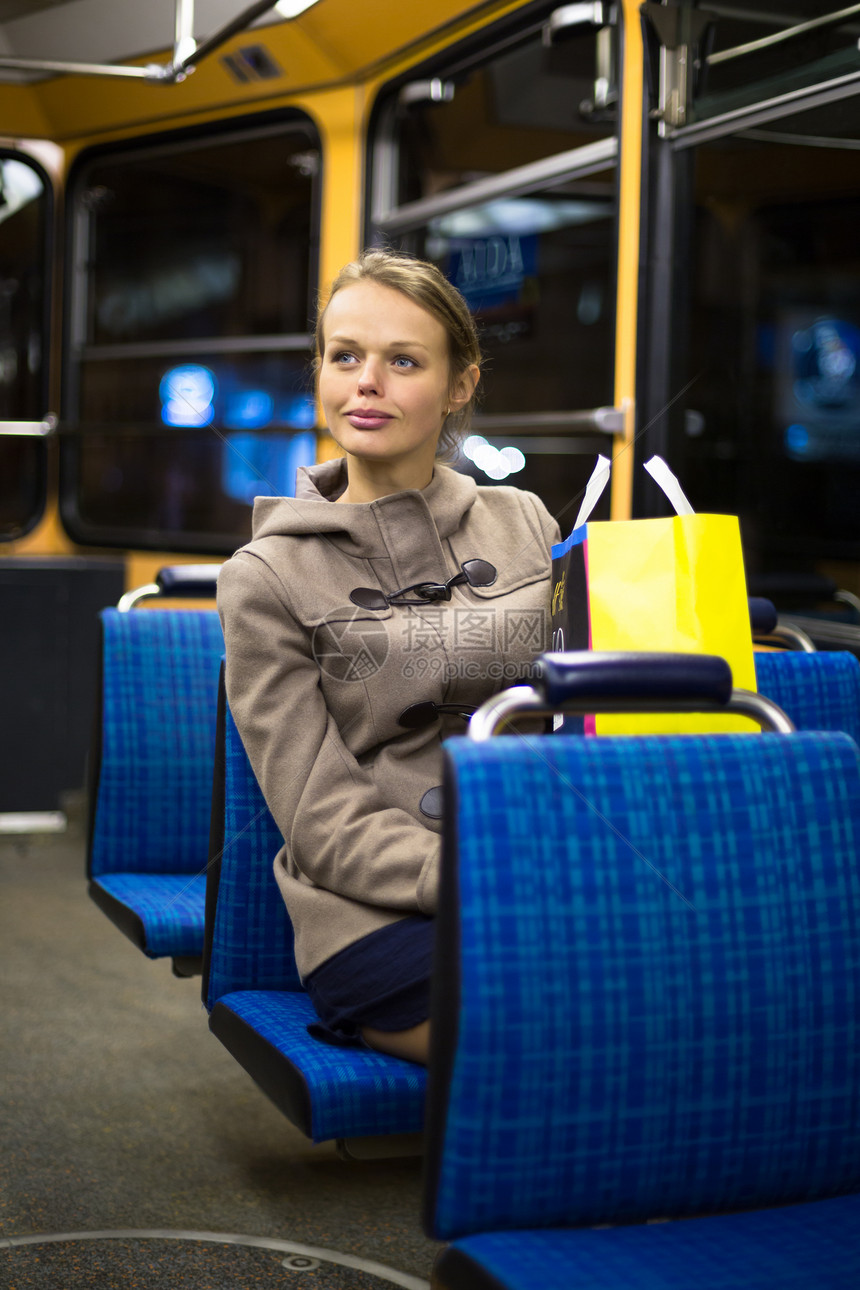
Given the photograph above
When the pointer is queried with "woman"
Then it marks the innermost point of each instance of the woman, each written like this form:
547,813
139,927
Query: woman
364,617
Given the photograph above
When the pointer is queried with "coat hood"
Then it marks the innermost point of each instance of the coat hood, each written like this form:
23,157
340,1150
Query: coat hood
363,526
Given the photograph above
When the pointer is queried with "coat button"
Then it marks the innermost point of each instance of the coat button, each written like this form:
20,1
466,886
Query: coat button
368,598
431,803
418,715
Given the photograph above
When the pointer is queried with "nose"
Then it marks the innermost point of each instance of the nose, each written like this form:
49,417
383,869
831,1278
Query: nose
370,376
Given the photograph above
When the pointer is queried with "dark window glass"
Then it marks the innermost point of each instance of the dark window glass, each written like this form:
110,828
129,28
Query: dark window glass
207,482
226,392
22,485
192,342
537,273
773,65
209,241
771,339
23,215
180,449
523,103
24,219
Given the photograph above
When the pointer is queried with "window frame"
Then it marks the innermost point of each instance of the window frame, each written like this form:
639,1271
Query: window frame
76,351
760,111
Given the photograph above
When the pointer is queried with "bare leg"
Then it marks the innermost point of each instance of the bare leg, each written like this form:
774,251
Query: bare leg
412,1044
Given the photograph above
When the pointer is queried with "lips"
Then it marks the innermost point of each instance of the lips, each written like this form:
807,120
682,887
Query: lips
368,418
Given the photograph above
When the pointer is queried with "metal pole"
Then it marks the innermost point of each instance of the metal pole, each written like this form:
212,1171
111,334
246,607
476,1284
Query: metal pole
83,69
186,53
765,42
184,43
237,24
30,429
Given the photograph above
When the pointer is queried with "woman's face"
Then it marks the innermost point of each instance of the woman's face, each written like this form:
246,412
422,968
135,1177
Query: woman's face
384,376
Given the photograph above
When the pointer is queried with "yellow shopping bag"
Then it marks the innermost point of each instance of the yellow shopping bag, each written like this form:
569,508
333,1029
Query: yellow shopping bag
674,584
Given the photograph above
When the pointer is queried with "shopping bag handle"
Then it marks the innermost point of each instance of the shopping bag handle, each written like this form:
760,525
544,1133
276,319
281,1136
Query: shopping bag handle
657,469
585,681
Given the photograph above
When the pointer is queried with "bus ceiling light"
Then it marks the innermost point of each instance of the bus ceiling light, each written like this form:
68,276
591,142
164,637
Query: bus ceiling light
292,8
187,53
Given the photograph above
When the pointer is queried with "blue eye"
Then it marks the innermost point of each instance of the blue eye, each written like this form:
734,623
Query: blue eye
343,356
404,360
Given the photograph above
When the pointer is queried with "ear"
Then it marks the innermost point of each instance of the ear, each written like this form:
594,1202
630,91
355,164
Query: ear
464,387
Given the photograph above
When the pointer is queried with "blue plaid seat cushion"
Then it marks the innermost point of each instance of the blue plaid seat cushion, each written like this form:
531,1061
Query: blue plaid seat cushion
165,910
818,691
659,968
792,1248
158,707
252,938
352,1092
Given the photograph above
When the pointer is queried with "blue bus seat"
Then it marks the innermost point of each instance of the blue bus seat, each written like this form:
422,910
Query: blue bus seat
819,691
151,777
768,630
176,582
251,987
793,1248
827,615
647,1010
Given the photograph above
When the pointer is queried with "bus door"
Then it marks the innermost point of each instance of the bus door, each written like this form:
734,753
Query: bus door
750,326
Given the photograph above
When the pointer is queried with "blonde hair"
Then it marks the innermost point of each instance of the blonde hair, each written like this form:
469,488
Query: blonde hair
424,284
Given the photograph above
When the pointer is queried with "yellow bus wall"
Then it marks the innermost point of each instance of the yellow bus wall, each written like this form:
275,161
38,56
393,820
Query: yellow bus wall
344,57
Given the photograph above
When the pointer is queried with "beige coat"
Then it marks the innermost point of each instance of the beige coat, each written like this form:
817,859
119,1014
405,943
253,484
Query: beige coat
317,684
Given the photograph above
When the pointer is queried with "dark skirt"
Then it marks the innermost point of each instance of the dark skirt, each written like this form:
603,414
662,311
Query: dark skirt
381,981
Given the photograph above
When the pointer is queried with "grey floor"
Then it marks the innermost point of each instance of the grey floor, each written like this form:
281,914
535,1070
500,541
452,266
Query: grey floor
121,1112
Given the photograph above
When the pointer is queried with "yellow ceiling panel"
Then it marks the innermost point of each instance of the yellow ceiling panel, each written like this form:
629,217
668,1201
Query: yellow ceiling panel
77,106
331,44
22,114
360,35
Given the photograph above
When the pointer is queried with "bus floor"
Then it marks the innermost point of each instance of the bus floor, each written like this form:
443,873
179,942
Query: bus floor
129,1133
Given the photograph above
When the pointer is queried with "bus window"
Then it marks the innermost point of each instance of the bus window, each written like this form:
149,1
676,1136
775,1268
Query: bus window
760,55
190,307
486,112
758,406
25,219
497,163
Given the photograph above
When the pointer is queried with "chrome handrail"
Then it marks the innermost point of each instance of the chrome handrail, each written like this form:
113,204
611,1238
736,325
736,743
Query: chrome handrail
131,598
525,700
31,429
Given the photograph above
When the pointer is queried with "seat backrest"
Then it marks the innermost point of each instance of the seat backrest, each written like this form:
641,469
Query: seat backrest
647,1003
818,691
248,942
155,742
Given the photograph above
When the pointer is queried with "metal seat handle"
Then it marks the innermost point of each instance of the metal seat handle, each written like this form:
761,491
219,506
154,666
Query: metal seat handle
174,581
587,682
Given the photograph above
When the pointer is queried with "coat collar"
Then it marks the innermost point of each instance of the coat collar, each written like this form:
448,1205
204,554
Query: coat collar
368,528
